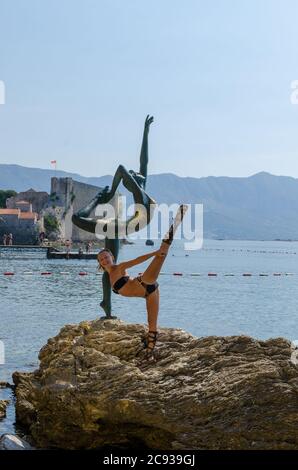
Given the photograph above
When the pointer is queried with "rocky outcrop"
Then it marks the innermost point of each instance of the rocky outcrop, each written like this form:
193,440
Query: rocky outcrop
12,442
6,385
93,389
3,405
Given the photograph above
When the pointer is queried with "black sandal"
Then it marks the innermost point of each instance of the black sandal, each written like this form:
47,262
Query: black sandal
169,237
149,343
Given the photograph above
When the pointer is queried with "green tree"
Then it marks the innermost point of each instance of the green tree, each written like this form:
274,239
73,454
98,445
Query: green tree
5,194
51,223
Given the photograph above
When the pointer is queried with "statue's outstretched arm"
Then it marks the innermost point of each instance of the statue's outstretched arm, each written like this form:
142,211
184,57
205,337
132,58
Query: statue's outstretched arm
144,148
88,225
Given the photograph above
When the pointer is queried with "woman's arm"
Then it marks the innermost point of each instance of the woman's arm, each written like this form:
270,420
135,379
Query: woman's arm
140,259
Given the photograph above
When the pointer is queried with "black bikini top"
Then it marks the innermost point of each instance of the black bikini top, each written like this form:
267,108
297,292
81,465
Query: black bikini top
120,283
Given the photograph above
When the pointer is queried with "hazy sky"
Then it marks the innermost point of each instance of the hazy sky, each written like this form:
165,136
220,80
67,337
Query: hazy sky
80,77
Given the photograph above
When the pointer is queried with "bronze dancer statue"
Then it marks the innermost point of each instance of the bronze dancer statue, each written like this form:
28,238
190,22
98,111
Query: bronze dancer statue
133,182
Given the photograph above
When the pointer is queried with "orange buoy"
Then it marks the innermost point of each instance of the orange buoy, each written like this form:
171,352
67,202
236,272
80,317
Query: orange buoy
212,274
45,273
8,273
82,273
177,274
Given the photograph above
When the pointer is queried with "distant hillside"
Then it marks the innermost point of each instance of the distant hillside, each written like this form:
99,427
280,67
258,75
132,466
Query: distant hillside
262,206
21,178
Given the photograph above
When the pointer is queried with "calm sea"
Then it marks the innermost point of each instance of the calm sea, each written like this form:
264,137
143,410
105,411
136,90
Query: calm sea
34,307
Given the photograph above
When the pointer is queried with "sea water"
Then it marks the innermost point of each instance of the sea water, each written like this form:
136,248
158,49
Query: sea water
262,304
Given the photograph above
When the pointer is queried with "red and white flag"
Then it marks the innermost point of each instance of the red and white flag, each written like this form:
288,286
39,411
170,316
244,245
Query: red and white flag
54,163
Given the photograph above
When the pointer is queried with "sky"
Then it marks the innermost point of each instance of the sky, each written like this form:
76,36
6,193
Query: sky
80,78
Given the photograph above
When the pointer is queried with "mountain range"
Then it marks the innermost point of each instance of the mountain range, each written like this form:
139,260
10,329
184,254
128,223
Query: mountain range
259,207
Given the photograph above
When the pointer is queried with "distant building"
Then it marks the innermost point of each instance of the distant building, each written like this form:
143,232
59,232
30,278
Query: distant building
23,224
38,199
24,206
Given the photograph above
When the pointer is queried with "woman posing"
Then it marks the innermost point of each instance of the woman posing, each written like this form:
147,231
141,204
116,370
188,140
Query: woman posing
144,285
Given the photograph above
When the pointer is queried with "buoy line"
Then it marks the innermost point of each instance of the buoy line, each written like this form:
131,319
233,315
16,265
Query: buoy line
175,273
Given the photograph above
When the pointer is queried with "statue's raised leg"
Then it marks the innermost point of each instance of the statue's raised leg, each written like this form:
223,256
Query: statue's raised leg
81,218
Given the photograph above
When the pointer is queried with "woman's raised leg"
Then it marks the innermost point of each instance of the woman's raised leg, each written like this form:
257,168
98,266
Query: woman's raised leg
151,274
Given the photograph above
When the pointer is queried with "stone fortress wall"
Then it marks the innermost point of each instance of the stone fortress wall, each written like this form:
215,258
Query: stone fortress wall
67,197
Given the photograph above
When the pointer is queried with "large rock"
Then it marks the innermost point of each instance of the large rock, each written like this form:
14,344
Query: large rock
12,442
202,393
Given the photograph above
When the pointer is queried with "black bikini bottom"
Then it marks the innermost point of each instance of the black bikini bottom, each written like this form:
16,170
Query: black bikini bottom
149,287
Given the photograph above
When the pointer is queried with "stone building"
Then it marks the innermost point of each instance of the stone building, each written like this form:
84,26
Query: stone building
22,223
38,199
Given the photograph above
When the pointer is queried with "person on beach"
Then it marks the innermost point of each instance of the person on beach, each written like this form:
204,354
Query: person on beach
68,245
9,239
41,237
144,285
88,246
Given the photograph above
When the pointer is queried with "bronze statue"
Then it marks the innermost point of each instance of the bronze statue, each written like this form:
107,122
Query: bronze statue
135,183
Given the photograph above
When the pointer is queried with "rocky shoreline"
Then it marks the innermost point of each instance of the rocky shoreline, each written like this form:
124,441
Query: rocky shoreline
94,389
